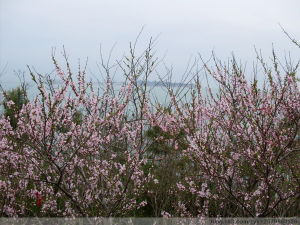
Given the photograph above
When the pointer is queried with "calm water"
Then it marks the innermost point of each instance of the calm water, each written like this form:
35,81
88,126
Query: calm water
158,94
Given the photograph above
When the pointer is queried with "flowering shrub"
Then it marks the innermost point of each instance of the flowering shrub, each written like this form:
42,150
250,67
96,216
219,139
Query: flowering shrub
243,144
89,166
73,152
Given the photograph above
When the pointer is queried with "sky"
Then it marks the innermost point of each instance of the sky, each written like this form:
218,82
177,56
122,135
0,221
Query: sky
30,29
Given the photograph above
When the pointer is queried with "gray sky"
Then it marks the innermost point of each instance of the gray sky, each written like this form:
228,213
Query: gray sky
30,28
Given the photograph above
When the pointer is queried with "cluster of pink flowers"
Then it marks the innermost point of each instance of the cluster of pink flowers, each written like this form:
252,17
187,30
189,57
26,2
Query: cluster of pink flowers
89,166
243,146
81,154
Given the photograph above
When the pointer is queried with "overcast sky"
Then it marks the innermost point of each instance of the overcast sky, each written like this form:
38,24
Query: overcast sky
29,29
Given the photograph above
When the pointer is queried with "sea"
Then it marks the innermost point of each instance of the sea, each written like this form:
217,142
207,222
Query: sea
158,92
